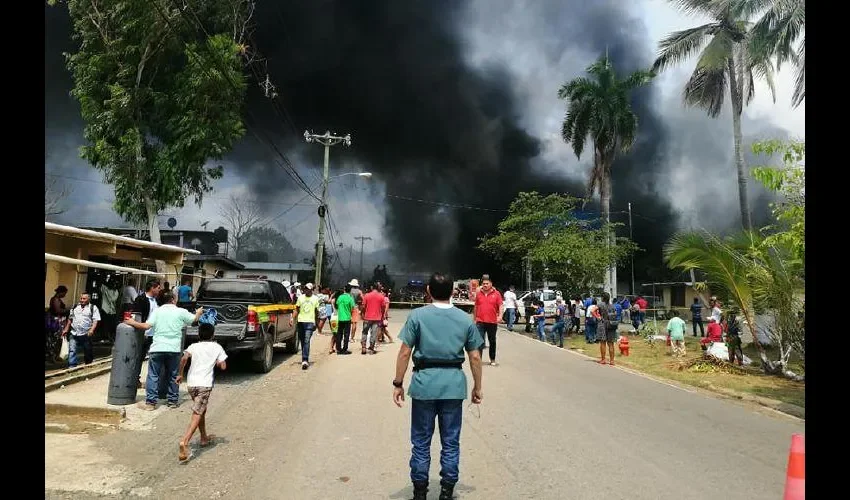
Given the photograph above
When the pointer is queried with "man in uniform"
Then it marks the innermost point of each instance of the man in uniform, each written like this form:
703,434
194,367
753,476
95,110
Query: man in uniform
436,336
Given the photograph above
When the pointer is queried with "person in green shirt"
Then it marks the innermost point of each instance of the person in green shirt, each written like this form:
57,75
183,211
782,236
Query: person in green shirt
676,331
167,322
436,336
344,305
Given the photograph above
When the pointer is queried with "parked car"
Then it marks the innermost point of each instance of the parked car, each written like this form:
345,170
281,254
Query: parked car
252,316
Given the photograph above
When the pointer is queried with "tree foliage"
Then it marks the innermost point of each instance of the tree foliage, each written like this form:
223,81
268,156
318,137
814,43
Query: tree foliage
574,252
726,61
789,181
161,88
265,241
599,108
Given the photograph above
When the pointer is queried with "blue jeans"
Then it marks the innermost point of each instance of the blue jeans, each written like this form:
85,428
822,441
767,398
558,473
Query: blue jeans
305,333
449,414
77,343
165,364
511,318
541,329
590,330
558,332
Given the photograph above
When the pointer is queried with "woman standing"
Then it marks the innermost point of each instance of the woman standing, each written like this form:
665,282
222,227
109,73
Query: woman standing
324,297
55,318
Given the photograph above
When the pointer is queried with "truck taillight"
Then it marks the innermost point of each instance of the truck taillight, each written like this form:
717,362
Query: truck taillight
253,321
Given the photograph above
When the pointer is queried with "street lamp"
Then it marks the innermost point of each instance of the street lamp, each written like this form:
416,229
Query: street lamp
366,175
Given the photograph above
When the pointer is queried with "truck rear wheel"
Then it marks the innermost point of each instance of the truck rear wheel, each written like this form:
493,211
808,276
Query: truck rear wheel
292,345
265,357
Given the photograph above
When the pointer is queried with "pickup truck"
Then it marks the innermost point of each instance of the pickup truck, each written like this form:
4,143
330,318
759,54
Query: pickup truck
252,316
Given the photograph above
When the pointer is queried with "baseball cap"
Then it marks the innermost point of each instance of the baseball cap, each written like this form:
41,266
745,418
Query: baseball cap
309,286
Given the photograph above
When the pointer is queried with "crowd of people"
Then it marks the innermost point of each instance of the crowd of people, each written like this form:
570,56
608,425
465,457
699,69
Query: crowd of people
342,310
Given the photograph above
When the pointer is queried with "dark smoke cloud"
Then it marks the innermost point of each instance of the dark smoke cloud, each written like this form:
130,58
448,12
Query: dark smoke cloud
430,123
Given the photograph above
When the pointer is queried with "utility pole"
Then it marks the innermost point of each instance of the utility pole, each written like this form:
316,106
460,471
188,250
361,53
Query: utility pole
363,240
633,255
327,140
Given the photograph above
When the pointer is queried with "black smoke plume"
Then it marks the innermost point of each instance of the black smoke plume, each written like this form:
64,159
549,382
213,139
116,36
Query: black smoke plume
427,122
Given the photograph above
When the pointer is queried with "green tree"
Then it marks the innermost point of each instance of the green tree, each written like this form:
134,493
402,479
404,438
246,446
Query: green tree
575,253
267,241
160,95
599,107
725,60
789,181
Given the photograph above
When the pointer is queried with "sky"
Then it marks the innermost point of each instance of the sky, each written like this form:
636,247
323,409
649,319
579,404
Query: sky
526,39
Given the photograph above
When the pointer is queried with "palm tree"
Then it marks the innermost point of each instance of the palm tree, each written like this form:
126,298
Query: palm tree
599,107
725,61
776,34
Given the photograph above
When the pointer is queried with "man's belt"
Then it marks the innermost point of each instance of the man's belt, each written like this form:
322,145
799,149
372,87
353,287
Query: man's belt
421,364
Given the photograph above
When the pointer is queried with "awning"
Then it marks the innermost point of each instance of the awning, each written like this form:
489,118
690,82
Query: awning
114,238
98,265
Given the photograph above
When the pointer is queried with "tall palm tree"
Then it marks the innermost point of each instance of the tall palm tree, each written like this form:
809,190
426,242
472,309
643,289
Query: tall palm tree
599,107
725,61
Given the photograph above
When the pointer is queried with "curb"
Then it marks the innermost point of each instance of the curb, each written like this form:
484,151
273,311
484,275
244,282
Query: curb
786,409
88,411
79,377
78,368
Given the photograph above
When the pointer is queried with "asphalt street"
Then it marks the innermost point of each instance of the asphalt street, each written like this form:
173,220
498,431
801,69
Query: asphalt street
553,424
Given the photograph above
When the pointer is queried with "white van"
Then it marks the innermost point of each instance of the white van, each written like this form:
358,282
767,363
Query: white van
547,296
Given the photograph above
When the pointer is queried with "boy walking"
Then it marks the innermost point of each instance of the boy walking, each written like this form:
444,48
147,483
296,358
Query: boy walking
205,355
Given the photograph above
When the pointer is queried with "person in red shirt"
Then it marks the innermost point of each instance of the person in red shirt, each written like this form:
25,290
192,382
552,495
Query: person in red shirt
713,333
487,311
373,304
642,304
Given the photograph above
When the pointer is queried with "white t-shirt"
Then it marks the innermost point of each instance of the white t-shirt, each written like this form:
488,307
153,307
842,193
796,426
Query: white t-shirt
510,300
204,357
716,313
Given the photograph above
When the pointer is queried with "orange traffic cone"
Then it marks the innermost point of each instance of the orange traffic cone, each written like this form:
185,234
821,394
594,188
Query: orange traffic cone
795,482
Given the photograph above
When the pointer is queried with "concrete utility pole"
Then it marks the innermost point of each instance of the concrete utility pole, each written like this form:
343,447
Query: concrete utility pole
327,140
363,240
632,256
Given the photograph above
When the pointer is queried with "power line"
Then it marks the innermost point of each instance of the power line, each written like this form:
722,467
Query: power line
298,203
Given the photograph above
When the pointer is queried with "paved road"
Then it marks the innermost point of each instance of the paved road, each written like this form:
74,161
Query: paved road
553,424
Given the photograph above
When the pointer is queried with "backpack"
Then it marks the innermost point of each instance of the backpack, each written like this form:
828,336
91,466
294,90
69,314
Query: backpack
611,322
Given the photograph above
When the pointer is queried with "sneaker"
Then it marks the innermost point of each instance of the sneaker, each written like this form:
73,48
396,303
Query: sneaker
305,365
147,406
172,405
493,363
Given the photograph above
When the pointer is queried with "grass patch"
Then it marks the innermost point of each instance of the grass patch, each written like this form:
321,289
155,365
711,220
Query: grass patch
658,361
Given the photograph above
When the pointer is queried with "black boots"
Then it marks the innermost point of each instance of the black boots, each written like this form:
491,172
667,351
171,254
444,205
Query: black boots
420,490
447,491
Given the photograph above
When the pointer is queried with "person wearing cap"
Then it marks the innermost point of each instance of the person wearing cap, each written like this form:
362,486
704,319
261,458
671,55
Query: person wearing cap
486,313
356,294
307,311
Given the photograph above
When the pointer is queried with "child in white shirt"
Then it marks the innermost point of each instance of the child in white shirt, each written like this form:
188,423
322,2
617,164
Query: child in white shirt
205,355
